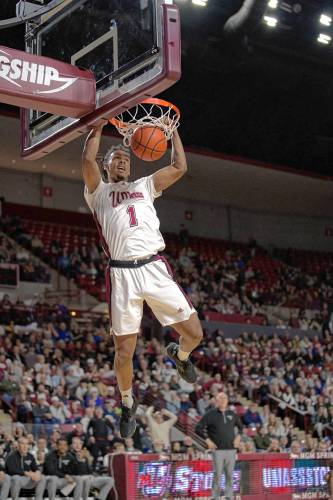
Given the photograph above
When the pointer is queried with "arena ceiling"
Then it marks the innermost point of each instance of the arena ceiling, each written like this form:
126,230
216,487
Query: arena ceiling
213,178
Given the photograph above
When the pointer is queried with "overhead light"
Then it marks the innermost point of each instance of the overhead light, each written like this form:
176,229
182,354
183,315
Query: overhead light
325,20
273,4
324,39
201,3
270,21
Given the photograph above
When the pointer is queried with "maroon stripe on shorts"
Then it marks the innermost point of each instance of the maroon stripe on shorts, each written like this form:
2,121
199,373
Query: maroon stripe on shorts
108,288
170,271
167,265
101,236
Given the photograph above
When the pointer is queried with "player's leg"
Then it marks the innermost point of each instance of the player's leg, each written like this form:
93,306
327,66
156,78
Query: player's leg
191,334
126,313
123,365
171,307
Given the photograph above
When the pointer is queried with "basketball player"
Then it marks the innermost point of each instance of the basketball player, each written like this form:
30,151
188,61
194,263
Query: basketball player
129,229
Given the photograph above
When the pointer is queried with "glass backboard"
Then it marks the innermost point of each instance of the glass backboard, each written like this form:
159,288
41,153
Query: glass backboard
131,46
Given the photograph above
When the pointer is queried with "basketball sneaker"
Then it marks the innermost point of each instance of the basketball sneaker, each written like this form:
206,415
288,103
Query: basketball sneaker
127,420
185,369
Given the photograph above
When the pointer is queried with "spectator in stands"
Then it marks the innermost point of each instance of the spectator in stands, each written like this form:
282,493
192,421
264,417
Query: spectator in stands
249,447
41,446
129,444
284,444
22,467
262,439
204,403
287,397
63,333
274,446
84,469
60,414
37,245
99,430
176,447
61,467
321,421
63,261
309,445
158,446
78,432
159,428
4,480
252,417
295,449
188,445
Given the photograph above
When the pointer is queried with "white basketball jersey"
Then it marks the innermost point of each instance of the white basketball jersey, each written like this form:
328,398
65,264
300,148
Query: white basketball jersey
126,218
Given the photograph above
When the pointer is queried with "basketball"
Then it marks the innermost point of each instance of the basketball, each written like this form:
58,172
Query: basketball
149,143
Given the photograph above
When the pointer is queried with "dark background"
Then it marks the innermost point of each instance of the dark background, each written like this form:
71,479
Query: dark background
266,95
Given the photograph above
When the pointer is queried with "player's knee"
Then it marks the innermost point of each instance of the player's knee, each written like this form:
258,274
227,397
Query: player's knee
123,355
198,334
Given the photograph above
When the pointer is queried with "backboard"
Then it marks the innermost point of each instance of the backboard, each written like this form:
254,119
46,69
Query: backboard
132,47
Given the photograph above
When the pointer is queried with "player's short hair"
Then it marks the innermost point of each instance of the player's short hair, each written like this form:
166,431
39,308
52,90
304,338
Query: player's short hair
108,155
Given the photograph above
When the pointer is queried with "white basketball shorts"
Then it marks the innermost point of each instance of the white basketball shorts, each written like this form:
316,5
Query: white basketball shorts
153,283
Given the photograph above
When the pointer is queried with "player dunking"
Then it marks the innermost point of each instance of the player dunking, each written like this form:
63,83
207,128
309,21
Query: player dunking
129,229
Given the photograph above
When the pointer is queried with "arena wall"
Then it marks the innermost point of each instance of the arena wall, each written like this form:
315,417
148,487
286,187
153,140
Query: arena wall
208,220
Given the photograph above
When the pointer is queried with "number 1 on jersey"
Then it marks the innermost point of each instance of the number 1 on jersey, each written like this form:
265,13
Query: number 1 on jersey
132,215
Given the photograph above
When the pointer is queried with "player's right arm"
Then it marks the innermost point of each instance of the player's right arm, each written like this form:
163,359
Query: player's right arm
90,168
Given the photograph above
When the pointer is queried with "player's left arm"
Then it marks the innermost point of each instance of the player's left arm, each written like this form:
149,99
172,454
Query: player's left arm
167,176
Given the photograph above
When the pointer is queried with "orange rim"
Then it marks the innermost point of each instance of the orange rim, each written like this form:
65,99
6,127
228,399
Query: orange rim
161,102
150,100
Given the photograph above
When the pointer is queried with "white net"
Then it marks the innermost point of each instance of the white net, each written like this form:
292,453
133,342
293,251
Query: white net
149,113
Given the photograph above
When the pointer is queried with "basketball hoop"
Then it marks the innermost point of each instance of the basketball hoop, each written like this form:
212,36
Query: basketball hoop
151,112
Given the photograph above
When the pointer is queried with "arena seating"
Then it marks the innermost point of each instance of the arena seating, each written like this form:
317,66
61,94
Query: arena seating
229,281
29,267
226,281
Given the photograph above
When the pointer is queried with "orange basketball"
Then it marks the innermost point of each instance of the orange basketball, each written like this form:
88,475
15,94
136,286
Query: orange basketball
149,143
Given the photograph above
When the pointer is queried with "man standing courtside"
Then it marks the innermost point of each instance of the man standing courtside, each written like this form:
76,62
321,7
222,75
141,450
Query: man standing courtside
129,229
217,427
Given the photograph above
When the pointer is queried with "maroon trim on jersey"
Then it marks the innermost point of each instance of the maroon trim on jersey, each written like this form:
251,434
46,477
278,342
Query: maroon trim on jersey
101,236
108,288
170,271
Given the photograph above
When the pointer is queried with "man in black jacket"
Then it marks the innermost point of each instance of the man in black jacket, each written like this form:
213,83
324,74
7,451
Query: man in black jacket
21,465
60,466
217,427
98,431
84,469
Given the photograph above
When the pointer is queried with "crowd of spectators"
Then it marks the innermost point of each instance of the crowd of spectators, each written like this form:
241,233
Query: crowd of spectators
234,285
58,377
30,268
84,260
230,284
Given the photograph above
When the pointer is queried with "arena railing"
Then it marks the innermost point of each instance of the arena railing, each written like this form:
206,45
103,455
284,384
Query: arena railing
293,411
